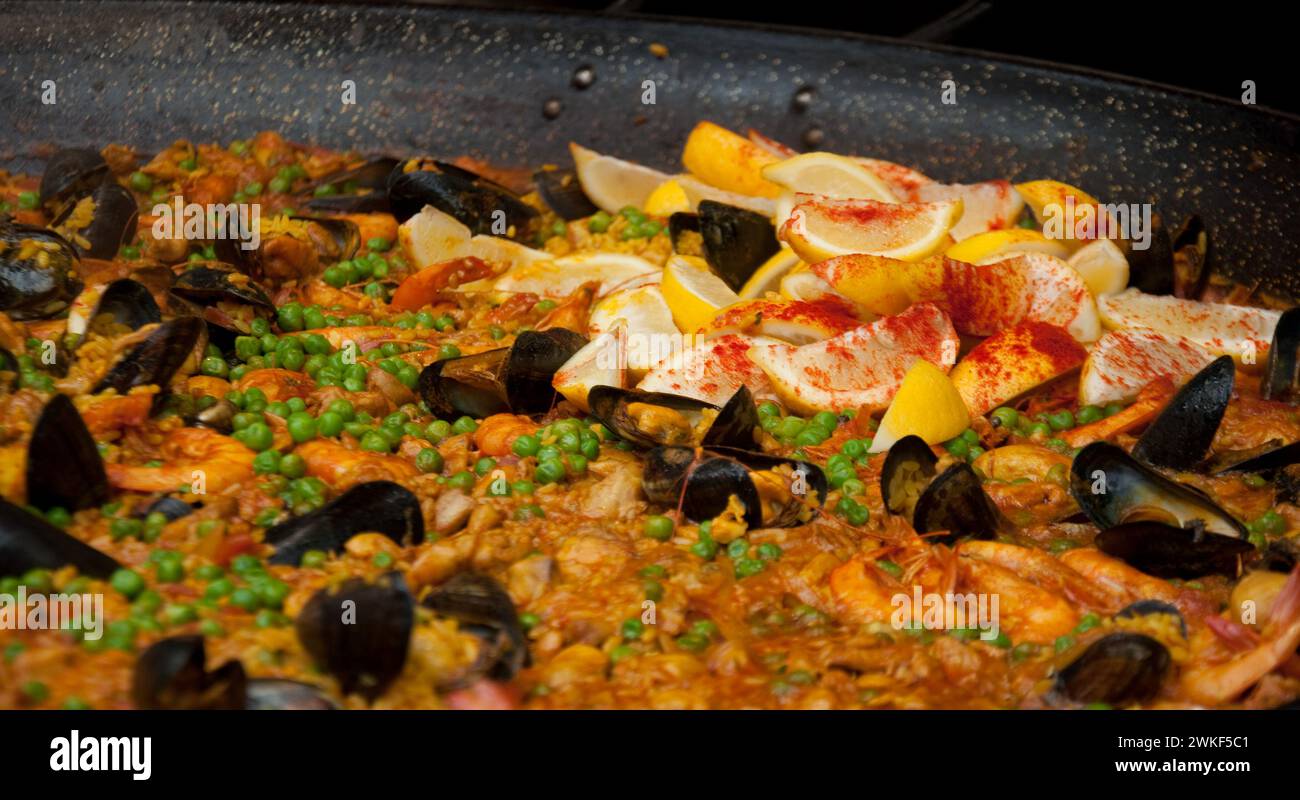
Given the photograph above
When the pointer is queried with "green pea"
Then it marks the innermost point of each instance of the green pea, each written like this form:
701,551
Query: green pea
266,462
302,426
1112,409
140,182
599,222
429,460
464,425
551,471
1061,420
127,582
257,436
659,527
1088,414
1004,417
463,480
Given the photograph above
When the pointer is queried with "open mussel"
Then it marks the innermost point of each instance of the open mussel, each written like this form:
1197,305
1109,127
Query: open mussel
509,379
71,173
292,247
37,277
562,192
1168,552
360,632
483,608
29,542
1119,669
1266,459
172,674
155,359
1180,437
379,506
1282,366
355,190
479,204
774,492
1190,253
651,419
64,468
953,500
98,224
1149,607
229,299
736,241
124,305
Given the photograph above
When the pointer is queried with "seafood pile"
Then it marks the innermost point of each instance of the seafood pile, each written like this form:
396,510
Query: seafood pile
442,434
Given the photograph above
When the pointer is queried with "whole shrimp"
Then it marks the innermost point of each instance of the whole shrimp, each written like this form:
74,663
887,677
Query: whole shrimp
190,455
341,467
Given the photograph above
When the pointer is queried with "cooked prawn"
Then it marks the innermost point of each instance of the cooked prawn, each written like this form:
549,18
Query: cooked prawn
341,467
1027,612
1116,576
865,593
1048,573
497,433
277,384
189,455
573,312
1150,402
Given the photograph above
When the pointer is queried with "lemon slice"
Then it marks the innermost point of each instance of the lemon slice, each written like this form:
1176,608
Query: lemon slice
698,190
768,276
926,405
431,237
562,276
600,362
822,228
828,175
1039,195
651,334
1049,201
667,199
728,161
693,292
1102,266
995,245
612,183
987,206
861,368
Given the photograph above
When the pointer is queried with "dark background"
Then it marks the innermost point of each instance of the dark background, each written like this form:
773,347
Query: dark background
1210,47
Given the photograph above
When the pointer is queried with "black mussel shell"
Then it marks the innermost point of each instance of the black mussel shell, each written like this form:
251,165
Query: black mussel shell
64,467
126,303
360,632
172,508
736,241
1280,555
73,172
509,379
1146,608
29,542
1152,270
1113,488
156,359
704,487
732,427
1168,552
220,417
1180,437
1118,669
211,283
112,222
955,502
271,694
1281,367
479,204
679,223
562,193
341,241
1266,459
484,608
379,506
37,276
1190,256
172,675
371,181
909,466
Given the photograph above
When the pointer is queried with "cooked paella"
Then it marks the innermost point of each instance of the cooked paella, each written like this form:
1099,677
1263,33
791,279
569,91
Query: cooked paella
292,427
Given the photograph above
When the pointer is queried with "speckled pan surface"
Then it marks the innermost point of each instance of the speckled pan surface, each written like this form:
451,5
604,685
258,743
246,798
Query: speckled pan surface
447,81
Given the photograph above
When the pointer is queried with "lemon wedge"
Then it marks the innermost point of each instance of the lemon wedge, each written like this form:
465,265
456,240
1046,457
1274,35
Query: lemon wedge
562,276
820,228
650,333
698,190
431,237
1102,266
728,161
612,183
926,405
794,321
693,292
667,199
600,362
1049,200
995,245
768,276
828,175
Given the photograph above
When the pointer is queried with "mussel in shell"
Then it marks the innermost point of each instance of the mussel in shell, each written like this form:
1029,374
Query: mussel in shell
29,542
1113,488
71,173
1190,253
651,419
477,203
1119,669
172,674
773,492
356,190
98,224
1168,552
155,359
124,305
292,248
230,300
1180,437
37,276
1282,367
509,379
1146,608
380,506
953,500
64,468
562,192
1152,269
359,632
736,241
483,608
1266,459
